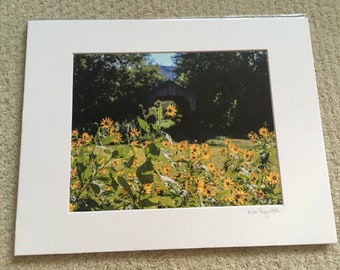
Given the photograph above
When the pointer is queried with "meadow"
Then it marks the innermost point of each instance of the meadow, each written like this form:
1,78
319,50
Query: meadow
139,166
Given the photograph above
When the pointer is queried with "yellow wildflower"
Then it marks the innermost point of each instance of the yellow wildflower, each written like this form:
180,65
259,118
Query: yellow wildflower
182,146
147,188
71,207
211,167
134,132
273,178
195,149
233,148
208,190
206,154
86,138
264,131
117,137
171,110
200,185
106,123
260,194
75,133
228,183
248,155
240,196
146,143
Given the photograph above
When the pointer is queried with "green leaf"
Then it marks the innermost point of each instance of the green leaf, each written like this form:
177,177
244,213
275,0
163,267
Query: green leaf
114,184
114,154
95,188
222,195
167,202
130,162
152,151
123,151
107,151
87,173
277,190
166,123
80,169
145,172
149,202
160,113
104,178
143,124
82,157
107,140
126,186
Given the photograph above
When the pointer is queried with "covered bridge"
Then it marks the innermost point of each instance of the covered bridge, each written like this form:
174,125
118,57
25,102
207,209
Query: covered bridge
169,90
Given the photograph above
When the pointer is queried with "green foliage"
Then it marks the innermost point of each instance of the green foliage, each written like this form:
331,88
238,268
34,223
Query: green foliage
109,173
105,81
232,88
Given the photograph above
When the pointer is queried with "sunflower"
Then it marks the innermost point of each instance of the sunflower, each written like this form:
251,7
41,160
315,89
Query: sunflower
264,131
112,130
208,190
273,178
228,183
200,185
106,123
233,148
73,186
182,146
134,143
147,188
227,141
211,167
75,133
156,190
240,196
193,158
146,143
195,149
260,194
71,207
205,146
86,138
103,171
252,137
206,154
166,144
167,170
117,137
171,110
134,132
230,198
135,162
115,162
74,172
248,155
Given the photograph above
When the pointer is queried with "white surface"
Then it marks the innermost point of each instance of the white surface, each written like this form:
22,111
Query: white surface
44,225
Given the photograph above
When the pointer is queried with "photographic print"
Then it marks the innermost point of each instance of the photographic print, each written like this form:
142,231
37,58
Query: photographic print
172,130
205,141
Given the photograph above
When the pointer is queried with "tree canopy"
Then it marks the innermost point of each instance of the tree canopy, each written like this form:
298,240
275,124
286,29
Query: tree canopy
232,89
110,85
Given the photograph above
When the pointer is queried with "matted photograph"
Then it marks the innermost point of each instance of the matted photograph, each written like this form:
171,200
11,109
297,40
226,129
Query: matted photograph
172,130
171,134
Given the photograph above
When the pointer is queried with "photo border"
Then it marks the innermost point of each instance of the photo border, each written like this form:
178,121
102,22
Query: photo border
44,225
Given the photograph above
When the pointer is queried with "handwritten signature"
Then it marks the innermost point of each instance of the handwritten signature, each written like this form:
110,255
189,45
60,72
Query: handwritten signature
266,212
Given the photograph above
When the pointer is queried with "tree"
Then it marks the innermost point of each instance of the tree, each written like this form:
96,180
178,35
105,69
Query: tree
110,85
232,89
